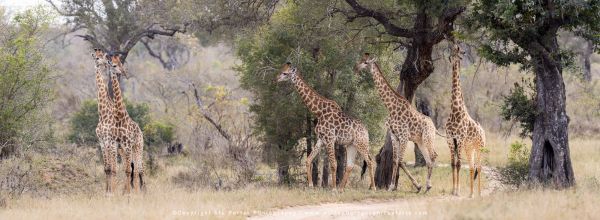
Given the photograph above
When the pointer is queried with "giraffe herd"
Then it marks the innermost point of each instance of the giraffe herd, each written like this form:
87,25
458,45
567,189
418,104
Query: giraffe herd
118,134
405,123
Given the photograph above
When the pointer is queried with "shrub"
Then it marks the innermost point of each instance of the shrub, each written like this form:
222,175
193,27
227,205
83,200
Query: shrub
25,77
515,173
519,106
157,134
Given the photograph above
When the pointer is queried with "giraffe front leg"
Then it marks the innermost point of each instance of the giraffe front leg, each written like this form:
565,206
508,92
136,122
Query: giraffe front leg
403,165
396,158
426,148
309,159
112,166
106,160
332,163
470,157
364,153
127,166
452,162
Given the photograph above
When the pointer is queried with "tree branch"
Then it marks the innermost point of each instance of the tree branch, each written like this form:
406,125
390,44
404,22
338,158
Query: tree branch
445,24
207,116
150,32
390,28
92,40
158,56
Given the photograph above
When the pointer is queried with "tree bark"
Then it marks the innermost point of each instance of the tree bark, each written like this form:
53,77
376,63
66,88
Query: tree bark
283,172
550,161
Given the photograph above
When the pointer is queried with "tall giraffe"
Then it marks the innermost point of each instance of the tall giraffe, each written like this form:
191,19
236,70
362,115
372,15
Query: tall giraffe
131,138
405,123
106,122
462,132
333,127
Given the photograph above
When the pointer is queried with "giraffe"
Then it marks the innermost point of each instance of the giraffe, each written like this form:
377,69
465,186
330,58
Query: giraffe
462,132
106,123
129,134
333,127
405,123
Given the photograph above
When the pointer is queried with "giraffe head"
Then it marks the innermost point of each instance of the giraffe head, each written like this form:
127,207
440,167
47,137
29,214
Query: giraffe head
99,57
116,65
364,62
456,53
287,71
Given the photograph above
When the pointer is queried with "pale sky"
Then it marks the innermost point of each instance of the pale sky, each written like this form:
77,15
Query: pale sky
18,5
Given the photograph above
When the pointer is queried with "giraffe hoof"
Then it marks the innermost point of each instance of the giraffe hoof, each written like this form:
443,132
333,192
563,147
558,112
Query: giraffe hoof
427,189
419,189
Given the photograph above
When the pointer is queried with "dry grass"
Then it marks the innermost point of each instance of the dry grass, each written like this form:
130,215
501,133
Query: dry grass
167,201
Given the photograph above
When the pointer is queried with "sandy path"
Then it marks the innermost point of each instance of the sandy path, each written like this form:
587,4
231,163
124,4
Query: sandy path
401,208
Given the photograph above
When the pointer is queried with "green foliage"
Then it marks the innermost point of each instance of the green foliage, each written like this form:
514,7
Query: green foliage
520,106
324,55
83,123
515,173
158,134
25,75
510,27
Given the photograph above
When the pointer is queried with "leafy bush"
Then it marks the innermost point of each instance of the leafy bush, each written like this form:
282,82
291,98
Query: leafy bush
515,173
84,121
157,134
24,76
520,106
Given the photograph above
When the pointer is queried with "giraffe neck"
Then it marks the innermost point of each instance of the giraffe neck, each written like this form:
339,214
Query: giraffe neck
458,104
103,99
316,103
391,99
120,110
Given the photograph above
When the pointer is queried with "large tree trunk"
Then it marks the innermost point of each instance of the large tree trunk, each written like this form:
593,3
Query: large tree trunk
283,172
550,161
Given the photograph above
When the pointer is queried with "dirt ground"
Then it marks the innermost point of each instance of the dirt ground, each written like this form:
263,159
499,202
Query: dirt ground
413,208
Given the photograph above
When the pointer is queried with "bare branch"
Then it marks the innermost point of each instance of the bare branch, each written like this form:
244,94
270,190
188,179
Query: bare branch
207,116
391,28
150,32
92,40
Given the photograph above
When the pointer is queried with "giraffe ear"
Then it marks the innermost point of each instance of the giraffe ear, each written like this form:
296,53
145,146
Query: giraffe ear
372,60
293,70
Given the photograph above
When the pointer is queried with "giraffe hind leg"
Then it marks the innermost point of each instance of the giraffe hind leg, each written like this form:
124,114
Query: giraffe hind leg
350,156
368,164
